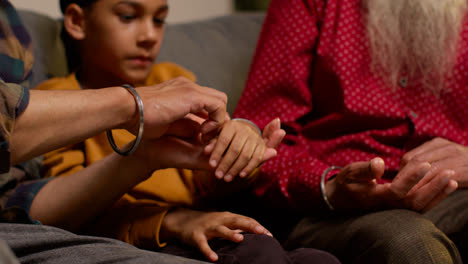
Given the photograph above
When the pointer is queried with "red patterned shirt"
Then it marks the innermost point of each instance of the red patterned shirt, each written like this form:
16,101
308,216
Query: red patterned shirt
312,69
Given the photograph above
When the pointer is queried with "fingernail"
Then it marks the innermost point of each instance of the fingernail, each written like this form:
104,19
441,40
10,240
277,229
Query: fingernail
213,256
219,174
213,163
452,186
451,173
238,237
228,178
243,174
378,161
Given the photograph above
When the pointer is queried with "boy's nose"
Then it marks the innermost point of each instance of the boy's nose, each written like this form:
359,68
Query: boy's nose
148,34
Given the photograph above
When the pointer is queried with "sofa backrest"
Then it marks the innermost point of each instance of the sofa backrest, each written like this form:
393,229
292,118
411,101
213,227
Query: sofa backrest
218,51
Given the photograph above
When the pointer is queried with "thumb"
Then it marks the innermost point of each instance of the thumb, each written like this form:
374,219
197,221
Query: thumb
268,154
184,128
271,127
377,167
363,171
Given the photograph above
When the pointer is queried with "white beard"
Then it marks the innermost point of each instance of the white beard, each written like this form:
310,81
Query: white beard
415,38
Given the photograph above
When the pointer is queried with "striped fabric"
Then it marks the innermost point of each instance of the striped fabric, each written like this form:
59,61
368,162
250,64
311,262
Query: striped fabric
16,59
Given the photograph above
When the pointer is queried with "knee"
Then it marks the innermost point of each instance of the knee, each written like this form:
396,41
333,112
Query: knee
403,237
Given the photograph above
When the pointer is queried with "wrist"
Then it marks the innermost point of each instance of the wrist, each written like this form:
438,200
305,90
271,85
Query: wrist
327,186
125,109
139,135
250,123
171,224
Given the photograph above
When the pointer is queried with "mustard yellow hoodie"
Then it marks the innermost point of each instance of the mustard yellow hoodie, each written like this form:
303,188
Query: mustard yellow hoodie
137,217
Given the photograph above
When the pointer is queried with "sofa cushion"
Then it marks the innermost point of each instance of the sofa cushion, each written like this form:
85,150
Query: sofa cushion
49,53
219,51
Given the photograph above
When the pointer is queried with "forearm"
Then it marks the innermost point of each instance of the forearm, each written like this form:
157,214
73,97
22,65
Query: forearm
71,201
58,118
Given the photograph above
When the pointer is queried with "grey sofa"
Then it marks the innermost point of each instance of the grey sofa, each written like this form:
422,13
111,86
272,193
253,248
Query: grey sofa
218,51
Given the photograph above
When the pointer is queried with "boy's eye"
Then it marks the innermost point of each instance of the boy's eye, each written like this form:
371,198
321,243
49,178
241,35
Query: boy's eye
127,17
159,21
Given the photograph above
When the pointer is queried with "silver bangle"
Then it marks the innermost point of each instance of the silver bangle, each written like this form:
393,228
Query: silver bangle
322,186
250,122
137,140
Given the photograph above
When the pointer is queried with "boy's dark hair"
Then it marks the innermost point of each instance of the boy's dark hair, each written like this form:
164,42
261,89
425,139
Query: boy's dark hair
82,3
72,54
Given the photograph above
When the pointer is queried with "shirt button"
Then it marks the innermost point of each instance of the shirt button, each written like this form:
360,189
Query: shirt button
413,114
403,82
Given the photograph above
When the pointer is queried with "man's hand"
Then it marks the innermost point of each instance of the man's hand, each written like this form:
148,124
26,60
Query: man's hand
356,187
443,155
196,228
179,147
172,100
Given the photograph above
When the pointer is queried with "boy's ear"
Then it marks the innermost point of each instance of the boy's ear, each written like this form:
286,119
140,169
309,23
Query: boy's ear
74,21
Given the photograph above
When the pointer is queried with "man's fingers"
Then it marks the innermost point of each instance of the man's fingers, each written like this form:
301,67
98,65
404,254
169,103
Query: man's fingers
449,188
427,147
184,128
432,191
209,127
215,106
408,178
181,154
209,148
362,171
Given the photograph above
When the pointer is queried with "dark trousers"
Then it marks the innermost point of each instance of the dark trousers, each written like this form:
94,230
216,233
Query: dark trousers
254,249
391,236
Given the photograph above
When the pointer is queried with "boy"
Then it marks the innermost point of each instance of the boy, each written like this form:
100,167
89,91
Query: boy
118,42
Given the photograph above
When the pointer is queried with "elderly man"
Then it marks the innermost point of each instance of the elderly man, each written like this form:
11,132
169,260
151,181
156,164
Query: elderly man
373,96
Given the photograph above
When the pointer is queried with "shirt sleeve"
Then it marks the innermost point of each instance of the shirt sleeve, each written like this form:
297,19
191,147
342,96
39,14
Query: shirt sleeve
16,59
278,86
140,228
14,99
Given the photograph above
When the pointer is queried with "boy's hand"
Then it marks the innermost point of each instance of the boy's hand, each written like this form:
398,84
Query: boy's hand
196,228
239,148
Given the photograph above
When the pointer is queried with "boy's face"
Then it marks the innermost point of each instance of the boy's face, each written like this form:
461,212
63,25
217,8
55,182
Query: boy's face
122,38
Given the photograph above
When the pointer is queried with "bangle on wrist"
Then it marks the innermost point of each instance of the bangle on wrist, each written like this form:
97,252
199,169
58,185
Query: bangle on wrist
137,140
322,186
250,122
